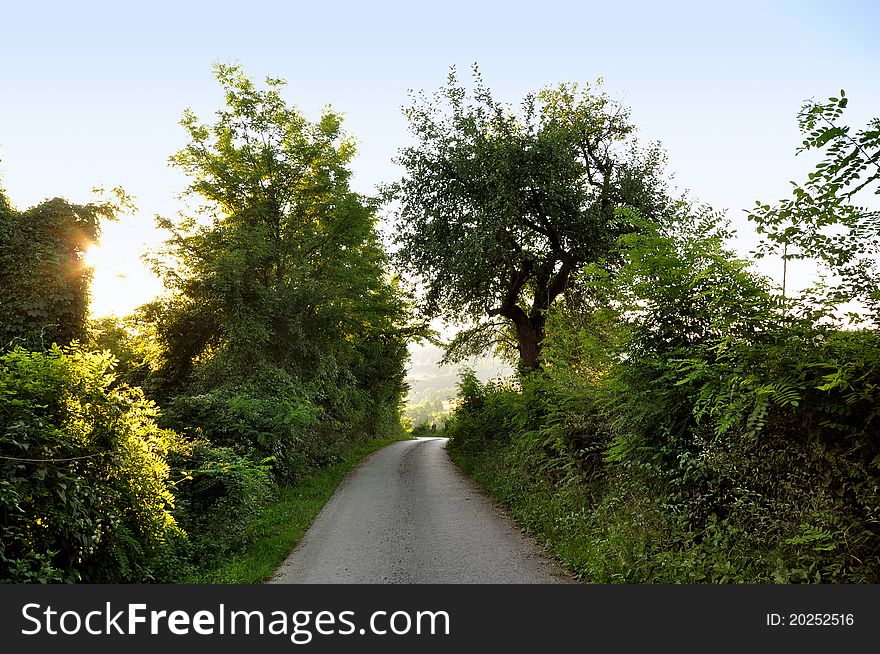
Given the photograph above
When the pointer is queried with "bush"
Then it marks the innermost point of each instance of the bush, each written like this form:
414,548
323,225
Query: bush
264,420
84,483
692,428
218,495
483,413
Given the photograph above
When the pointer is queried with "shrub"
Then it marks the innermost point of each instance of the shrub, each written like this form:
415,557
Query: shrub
218,495
84,483
689,427
251,418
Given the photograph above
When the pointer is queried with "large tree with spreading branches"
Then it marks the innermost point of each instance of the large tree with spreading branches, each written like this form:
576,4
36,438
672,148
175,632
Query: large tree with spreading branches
499,209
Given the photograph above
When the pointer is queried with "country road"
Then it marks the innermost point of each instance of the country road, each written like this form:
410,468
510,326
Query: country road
408,515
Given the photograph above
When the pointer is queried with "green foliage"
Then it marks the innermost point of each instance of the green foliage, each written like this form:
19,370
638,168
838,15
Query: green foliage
736,413
260,416
280,344
686,428
44,284
497,209
427,412
674,419
128,342
273,531
822,219
84,489
218,495
425,429
283,334
482,410
679,296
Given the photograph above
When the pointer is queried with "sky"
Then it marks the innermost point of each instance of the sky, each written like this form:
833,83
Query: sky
92,93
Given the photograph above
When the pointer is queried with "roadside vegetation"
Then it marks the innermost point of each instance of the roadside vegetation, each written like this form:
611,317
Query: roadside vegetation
197,438
676,417
278,526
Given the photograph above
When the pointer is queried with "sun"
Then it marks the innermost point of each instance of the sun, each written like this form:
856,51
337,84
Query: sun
108,296
120,280
93,256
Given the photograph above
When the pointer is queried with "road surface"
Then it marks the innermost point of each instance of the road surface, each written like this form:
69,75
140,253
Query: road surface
408,515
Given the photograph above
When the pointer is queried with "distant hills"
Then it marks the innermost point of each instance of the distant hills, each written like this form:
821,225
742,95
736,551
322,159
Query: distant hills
432,386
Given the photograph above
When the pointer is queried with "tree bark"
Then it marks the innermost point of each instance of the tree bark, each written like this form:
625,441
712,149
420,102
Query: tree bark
529,337
530,326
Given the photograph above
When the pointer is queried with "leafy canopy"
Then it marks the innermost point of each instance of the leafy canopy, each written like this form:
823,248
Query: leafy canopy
85,493
498,208
44,283
282,251
281,317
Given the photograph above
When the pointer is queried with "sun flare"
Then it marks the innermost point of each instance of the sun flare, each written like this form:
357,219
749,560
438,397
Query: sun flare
93,257
120,280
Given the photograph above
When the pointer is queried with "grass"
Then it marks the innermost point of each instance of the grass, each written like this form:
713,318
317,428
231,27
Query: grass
616,531
596,534
279,526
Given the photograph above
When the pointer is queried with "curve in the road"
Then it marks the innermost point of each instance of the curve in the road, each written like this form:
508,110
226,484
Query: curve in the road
408,515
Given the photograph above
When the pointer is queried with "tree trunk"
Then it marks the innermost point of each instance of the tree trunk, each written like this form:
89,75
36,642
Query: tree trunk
530,326
529,334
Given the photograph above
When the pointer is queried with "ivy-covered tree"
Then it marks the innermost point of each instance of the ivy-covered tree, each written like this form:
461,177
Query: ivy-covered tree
497,209
44,283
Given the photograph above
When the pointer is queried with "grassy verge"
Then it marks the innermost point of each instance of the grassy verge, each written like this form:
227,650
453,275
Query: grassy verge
538,510
278,527
601,531
613,532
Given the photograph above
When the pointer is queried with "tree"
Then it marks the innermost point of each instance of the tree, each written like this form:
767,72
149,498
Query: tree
280,305
44,283
275,190
822,219
497,210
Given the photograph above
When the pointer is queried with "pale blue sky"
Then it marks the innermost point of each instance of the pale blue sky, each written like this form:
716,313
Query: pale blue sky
92,92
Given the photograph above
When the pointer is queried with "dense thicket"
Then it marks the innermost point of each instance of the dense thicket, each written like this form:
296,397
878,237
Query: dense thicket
282,335
85,489
676,417
692,424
